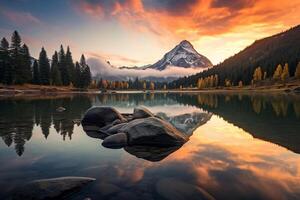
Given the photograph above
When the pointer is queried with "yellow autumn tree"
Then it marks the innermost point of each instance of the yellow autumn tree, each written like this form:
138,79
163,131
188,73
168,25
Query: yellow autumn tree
152,86
297,72
165,86
278,72
285,73
144,86
265,76
104,84
240,83
257,75
216,80
227,83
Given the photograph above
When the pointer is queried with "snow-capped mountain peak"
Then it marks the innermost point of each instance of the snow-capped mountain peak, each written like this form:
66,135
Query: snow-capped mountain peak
182,55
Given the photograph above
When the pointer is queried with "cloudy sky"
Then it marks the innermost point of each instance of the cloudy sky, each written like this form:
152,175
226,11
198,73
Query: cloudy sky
138,32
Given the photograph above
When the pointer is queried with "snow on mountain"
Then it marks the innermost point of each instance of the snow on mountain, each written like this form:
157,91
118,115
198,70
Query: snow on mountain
183,60
183,55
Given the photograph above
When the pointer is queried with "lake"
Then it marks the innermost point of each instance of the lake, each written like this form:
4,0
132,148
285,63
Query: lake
249,148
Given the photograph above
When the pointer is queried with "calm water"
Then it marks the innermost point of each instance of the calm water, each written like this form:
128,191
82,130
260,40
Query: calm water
249,149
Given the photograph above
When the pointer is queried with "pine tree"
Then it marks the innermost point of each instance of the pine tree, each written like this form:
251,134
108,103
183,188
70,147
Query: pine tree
77,76
297,72
36,73
70,65
55,73
65,78
26,65
285,73
44,68
5,66
86,76
16,58
278,72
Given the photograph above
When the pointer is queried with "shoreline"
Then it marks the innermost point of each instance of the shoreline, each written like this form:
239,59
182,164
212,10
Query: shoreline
34,90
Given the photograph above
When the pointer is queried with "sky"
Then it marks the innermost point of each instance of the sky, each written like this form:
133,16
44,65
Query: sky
139,32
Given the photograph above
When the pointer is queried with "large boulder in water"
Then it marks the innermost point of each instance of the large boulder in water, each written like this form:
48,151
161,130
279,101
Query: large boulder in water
141,112
97,117
150,131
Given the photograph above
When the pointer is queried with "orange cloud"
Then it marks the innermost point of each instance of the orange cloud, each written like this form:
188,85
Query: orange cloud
220,28
194,17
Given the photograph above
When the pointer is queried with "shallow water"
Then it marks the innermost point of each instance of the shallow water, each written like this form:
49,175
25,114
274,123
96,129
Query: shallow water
248,149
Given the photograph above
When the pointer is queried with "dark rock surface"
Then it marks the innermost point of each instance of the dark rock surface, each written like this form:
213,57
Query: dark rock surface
55,188
97,117
141,112
115,141
143,134
152,131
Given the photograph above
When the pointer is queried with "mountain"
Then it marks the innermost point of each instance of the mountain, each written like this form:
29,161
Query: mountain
183,55
267,53
182,60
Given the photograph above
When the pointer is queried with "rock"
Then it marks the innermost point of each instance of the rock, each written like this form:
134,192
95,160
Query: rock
116,141
173,189
114,129
141,112
54,188
152,131
97,117
60,109
297,90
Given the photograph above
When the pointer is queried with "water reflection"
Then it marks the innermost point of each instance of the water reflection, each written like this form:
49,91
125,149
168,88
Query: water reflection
19,116
227,157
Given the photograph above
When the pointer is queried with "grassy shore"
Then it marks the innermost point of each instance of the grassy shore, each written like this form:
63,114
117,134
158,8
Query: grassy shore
37,90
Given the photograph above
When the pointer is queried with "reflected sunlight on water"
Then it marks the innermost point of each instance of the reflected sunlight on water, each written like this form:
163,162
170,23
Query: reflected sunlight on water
247,150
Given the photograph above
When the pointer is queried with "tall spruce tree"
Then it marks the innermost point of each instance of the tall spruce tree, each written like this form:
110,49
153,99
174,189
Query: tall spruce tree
65,78
55,73
70,65
4,60
77,76
86,76
16,59
44,68
26,65
36,73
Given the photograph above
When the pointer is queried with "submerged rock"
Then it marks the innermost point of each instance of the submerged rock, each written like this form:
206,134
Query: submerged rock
54,188
141,112
97,117
60,109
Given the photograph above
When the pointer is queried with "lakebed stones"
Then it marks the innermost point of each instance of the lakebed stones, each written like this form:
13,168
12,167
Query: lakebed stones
54,188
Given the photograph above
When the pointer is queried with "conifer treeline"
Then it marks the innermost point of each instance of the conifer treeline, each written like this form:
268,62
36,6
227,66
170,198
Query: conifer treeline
16,66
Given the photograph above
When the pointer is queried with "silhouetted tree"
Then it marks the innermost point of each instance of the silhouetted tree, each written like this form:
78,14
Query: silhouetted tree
55,73
44,68
36,73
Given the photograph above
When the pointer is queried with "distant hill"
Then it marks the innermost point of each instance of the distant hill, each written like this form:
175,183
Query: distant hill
267,53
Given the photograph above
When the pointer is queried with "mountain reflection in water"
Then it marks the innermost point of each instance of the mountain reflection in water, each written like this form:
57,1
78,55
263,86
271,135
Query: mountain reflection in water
228,156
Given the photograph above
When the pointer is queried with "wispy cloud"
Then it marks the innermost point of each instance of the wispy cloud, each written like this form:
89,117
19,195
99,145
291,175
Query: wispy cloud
19,17
113,57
